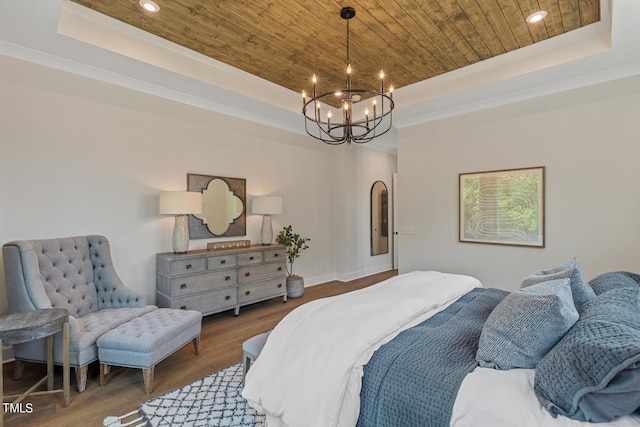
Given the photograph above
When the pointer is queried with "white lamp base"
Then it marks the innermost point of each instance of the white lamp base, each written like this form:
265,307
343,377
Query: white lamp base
180,238
266,232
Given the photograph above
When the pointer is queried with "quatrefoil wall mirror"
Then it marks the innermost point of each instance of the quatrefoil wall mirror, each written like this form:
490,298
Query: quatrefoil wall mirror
223,206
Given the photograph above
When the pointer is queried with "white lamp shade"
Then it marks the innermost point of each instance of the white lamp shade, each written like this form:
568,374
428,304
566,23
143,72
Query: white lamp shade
266,205
180,202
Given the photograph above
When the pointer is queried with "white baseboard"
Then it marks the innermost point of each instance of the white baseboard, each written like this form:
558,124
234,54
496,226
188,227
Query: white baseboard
364,273
312,281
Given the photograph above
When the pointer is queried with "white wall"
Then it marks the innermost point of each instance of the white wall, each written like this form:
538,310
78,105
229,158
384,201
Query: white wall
83,157
588,141
357,169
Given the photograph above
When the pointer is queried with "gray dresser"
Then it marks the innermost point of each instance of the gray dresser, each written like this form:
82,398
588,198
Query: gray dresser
214,281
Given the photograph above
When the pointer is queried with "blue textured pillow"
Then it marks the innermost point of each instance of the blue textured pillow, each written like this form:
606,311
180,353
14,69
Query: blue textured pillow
593,373
613,280
581,290
526,325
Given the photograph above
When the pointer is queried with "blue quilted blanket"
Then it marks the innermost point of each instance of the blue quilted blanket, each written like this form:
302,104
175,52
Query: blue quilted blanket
413,380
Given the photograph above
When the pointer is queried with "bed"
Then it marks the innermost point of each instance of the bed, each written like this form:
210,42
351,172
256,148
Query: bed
365,358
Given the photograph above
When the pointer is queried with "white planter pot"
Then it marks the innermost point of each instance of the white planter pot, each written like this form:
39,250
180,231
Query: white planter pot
295,286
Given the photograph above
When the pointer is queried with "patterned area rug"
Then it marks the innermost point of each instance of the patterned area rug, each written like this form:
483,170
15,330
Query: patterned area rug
212,401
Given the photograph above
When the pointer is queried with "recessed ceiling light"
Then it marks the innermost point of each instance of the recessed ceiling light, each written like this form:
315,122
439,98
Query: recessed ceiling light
536,16
149,5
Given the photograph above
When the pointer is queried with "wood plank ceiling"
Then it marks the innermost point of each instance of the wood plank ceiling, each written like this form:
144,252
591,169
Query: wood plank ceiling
286,41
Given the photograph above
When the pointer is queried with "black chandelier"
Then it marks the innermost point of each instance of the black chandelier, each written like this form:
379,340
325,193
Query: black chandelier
372,123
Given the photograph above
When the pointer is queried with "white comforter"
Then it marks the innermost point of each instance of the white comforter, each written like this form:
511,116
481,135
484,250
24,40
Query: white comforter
309,372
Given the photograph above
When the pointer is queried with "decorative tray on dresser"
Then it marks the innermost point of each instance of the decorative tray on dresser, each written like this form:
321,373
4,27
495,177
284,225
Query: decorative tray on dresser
215,281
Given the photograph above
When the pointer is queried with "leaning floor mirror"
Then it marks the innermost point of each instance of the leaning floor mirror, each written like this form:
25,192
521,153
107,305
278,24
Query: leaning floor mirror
379,218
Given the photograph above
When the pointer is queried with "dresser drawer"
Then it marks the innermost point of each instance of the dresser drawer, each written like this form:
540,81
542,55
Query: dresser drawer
250,258
186,285
275,255
221,261
262,290
261,272
205,303
187,266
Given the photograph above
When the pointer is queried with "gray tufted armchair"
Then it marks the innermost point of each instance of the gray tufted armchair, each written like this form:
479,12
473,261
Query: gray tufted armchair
75,273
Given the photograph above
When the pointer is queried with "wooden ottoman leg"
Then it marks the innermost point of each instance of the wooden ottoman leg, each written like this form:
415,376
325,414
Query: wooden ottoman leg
81,377
196,344
147,376
104,373
246,364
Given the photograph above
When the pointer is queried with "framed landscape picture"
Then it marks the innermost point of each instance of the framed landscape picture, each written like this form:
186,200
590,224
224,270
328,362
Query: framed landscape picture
504,207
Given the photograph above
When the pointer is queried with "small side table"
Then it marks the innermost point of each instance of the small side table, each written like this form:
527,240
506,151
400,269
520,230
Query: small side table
27,326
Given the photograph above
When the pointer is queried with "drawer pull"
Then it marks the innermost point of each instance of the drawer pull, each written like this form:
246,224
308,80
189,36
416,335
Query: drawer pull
279,268
247,293
251,258
247,274
227,278
276,255
183,286
188,266
224,261
228,297
184,307
279,285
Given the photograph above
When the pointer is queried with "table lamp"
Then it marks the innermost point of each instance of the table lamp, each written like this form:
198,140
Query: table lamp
266,206
180,204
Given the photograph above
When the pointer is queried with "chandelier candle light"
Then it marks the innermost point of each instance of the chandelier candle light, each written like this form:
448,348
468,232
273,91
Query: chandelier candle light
373,123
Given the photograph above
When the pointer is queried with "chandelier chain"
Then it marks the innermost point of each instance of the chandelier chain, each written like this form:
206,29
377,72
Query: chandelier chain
348,56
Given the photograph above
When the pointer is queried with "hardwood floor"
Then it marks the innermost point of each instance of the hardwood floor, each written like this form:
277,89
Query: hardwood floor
221,346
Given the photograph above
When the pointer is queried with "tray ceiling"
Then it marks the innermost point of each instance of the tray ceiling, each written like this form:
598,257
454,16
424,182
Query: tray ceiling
286,41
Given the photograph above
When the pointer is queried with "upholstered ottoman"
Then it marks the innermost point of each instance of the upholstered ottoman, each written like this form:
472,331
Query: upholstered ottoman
146,340
251,349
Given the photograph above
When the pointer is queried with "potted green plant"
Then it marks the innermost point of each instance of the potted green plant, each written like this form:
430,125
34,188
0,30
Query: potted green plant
295,245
